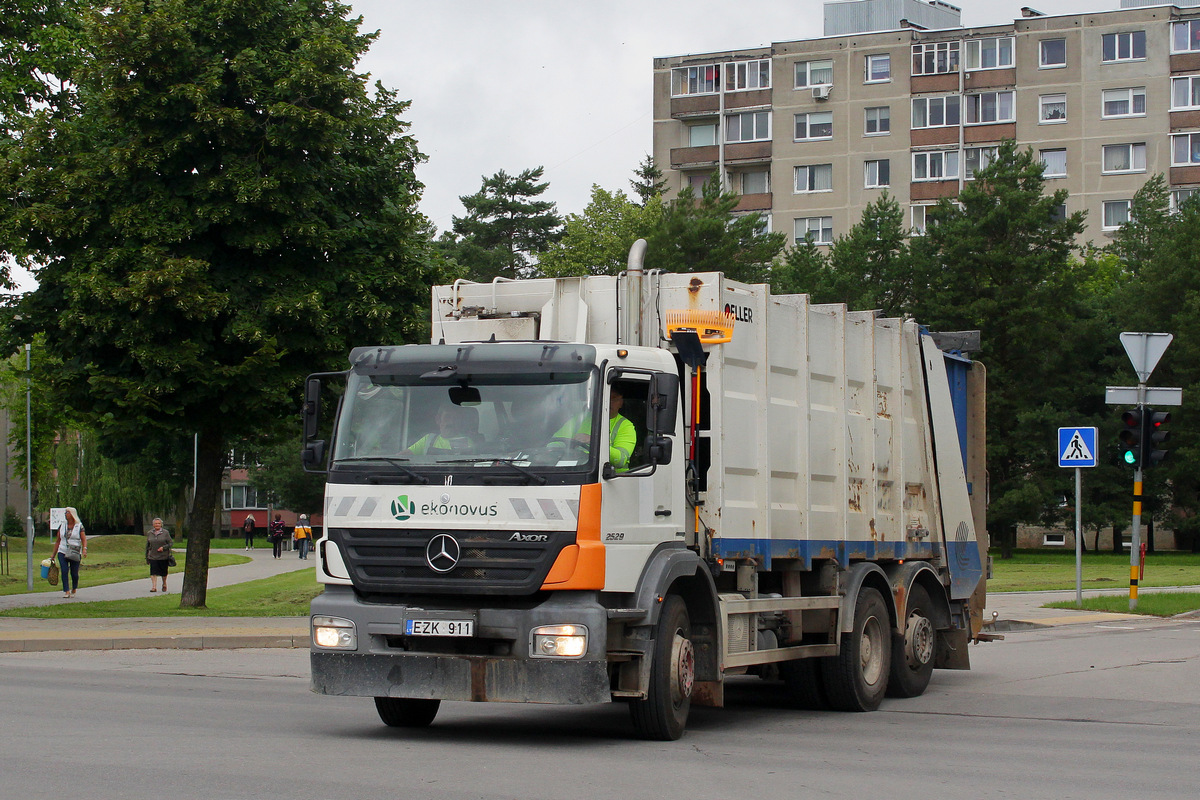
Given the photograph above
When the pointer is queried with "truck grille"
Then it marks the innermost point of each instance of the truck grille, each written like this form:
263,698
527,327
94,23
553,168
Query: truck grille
384,560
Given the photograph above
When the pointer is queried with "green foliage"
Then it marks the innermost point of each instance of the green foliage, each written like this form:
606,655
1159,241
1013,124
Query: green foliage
225,209
13,526
281,476
648,183
506,228
704,235
597,241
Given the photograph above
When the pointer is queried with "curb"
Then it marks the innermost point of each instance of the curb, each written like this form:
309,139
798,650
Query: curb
223,642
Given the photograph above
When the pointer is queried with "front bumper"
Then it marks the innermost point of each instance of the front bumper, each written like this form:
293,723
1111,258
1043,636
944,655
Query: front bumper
389,665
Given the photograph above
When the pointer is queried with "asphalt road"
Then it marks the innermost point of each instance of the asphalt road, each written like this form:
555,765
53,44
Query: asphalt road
1109,710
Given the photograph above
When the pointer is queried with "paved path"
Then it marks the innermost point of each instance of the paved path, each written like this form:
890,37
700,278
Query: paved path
1014,611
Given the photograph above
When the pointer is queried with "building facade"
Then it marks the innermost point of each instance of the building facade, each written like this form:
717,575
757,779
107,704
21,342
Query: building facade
811,131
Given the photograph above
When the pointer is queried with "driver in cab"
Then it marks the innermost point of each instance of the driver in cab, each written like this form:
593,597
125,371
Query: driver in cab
455,431
622,437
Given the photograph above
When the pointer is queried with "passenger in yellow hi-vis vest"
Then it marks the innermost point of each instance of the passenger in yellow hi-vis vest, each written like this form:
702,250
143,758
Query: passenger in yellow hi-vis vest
622,437
304,535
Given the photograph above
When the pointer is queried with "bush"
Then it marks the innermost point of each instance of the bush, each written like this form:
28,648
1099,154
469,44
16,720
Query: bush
12,523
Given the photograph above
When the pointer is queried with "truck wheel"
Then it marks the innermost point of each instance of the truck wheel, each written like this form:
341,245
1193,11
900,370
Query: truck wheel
912,653
406,712
663,714
857,677
803,684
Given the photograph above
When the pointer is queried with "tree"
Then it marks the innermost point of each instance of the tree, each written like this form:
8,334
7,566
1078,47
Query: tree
1000,261
597,241
867,268
225,209
282,477
705,235
648,183
506,228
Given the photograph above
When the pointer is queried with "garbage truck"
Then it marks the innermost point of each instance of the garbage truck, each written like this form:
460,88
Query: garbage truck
632,488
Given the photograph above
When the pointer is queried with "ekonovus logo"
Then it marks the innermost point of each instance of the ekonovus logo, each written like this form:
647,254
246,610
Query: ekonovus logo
403,508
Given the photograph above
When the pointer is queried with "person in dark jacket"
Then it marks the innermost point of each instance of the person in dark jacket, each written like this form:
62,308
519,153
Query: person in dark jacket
277,532
248,531
158,554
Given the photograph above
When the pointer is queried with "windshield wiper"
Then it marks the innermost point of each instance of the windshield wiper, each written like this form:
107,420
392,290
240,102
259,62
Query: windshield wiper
395,462
508,462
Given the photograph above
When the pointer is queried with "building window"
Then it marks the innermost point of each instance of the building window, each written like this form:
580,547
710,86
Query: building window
695,80
1052,108
242,496
1178,196
1124,157
702,135
1055,162
1124,102
935,112
976,158
756,181
1052,53
1185,36
1128,46
918,220
1116,214
814,178
879,120
1185,149
878,174
751,126
935,58
935,165
1185,92
879,68
1059,212
814,126
746,75
814,73
990,107
696,181
821,229
992,53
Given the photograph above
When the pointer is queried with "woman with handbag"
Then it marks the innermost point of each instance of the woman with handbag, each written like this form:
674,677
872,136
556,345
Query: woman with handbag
70,544
158,554
277,532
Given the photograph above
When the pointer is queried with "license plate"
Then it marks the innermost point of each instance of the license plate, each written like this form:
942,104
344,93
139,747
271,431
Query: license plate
439,627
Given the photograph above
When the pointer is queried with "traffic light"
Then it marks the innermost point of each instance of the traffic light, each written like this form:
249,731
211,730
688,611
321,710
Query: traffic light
1154,433
1130,437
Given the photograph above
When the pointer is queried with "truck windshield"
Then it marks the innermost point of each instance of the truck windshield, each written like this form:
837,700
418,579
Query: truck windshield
482,424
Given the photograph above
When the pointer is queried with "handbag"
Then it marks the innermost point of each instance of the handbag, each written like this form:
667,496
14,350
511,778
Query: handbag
171,560
52,575
74,552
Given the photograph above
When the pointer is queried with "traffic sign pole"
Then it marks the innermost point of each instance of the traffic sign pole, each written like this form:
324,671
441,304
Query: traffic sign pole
1078,538
1077,448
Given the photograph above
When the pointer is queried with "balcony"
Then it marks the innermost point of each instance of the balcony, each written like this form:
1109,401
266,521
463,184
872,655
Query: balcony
754,202
933,190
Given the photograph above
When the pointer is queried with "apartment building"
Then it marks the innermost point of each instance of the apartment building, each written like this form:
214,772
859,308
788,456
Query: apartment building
811,131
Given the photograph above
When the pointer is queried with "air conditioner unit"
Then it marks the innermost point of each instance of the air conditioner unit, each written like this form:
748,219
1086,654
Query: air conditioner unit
821,92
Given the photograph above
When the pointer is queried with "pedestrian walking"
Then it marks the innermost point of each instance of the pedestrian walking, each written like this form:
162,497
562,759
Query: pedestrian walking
276,534
303,534
248,531
70,545
158,554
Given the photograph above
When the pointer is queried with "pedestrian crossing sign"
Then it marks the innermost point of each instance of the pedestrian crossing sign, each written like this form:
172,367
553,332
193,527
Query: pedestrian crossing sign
1077,447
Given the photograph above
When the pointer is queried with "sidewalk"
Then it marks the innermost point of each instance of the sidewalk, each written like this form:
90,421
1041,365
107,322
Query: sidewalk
26,635
1023,610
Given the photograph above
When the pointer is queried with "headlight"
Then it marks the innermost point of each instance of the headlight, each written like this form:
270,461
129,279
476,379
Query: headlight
558,641
334,633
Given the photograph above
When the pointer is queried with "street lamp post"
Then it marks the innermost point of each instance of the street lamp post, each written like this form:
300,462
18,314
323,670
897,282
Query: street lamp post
28,472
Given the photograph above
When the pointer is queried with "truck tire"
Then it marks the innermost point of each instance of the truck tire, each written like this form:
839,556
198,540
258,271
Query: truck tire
912,653
406,712
856,678
663,714
803,684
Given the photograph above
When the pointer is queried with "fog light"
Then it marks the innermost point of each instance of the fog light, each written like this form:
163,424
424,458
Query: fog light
558,641
334,633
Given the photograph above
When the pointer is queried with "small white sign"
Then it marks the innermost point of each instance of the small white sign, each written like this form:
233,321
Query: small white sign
58,516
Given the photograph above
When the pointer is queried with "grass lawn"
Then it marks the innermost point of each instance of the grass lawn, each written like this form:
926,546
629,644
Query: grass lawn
110,559
286,595
1038,570
1158,604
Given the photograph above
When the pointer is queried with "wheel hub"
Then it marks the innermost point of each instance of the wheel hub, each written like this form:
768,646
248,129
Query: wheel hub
683,676
919,641
870,651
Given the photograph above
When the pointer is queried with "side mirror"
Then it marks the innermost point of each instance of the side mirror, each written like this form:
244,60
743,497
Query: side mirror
658,449
664,399
312,457
311,412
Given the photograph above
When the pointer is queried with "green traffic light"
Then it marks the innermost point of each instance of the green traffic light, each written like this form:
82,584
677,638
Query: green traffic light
1130,457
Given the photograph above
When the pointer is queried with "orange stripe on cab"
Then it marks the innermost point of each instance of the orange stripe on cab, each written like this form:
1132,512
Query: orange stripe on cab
581,565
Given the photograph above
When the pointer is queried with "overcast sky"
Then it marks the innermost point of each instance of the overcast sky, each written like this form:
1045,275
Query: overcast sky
566,84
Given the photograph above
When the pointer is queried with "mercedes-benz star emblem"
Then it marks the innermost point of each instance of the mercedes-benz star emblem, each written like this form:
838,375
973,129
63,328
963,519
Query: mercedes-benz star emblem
442,552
